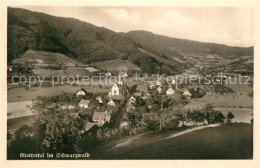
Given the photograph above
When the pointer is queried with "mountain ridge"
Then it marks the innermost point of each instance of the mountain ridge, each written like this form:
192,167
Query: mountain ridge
88,43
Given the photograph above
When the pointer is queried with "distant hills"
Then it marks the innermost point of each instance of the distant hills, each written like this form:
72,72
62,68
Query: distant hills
174,47
88,43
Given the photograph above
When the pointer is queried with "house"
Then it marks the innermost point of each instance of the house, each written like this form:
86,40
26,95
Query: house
81,93
159,89
108,74
130,108
144,97
88,126
187,93
120,83
124,124
101,117
99,99
173,81
170,91
122,74
132,98
84,103
111,103
158,83
114,90
91,126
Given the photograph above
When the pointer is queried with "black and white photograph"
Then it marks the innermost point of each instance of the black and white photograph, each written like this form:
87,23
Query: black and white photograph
129,82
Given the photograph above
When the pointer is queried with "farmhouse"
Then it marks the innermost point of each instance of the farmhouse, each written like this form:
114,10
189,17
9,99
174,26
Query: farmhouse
111,103
101,117
84,103
170,91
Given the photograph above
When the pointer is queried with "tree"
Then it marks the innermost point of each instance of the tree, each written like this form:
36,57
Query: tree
230,116
196,116
207,110
216,117
59,129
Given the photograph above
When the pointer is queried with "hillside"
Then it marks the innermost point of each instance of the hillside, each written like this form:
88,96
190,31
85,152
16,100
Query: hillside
179,48
79,40
234,141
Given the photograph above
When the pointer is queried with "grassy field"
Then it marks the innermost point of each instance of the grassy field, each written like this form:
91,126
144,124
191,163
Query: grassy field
234,101
44,57
241,114
19,109
234,141
115,65
18,122
21,94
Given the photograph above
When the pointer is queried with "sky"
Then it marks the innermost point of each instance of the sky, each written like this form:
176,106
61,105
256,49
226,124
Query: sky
225,25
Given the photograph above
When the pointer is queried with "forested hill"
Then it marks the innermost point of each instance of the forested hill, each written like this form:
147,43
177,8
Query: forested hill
79,40
88,43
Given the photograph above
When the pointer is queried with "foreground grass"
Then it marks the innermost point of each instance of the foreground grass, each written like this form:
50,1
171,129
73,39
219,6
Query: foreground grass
233,141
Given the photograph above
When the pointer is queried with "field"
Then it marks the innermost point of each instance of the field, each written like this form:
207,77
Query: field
241,114
19,109
115,65
44,58
21,94
15,123
234,141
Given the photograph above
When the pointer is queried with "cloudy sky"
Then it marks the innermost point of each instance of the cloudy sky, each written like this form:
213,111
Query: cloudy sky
226,25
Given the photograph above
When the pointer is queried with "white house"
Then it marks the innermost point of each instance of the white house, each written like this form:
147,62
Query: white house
187,93
84,103
122,74
111,103
120,83
99,99
173,81
170,91
81,93
124,124
108,74
132,98
114,90
159,89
